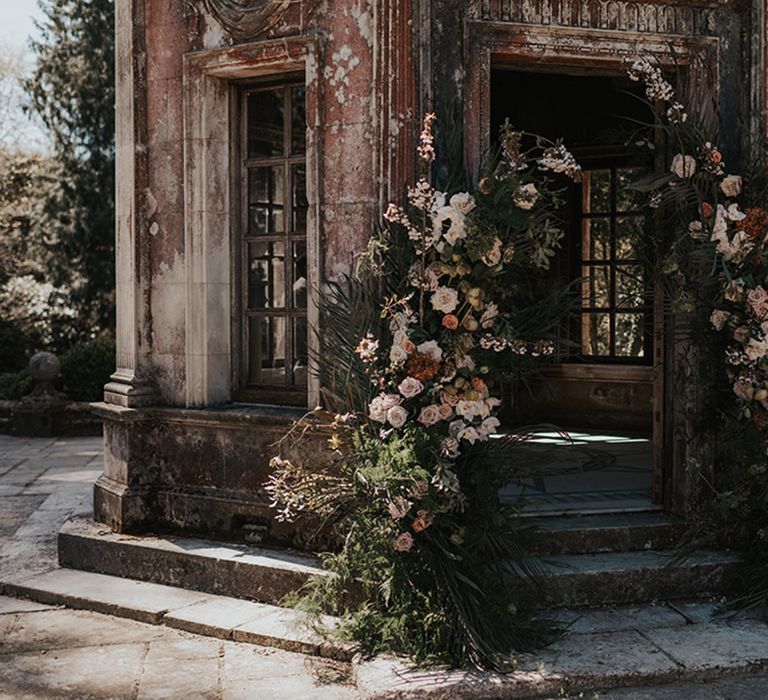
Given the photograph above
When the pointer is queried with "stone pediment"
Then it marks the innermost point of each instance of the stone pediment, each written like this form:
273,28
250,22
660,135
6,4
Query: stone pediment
244,19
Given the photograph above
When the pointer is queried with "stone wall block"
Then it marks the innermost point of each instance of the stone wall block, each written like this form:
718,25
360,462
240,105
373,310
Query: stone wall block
347,169
165,110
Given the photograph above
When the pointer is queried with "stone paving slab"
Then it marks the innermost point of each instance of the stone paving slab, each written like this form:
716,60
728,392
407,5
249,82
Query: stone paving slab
77,654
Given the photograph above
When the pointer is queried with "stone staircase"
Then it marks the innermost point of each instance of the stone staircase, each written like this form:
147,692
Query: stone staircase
635,615
592,561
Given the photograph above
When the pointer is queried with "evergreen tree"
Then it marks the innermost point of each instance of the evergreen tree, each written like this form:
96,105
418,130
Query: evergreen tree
72,89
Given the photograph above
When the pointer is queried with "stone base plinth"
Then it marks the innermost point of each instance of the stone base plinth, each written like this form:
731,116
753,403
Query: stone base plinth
193,471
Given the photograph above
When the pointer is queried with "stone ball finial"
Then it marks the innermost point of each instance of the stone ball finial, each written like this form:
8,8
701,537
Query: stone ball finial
44,367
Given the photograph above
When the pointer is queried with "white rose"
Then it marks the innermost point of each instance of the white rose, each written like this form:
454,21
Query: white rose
398,354
731,185
463,202
431,348
756,349
397,416
455,427
468,409
377,411
526,196
445,299
683,166
410,387
429,415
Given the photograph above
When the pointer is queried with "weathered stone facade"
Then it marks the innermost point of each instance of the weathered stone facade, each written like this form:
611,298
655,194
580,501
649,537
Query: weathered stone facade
179,454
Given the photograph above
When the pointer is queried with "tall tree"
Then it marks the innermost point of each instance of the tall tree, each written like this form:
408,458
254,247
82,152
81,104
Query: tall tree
72,89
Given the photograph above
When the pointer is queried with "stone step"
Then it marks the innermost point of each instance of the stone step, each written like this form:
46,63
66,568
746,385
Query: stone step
200,613
233,570
266,576
643,648
615,532
619,578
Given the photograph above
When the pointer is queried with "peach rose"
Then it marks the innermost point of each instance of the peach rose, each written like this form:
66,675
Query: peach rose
422,522
450,322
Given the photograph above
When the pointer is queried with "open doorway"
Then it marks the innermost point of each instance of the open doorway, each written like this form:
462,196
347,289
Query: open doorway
601,389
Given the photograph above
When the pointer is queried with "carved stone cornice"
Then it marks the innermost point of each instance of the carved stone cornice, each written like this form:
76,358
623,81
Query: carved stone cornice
245,19
686,18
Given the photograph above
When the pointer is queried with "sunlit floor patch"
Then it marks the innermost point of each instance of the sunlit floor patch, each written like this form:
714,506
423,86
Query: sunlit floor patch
584,472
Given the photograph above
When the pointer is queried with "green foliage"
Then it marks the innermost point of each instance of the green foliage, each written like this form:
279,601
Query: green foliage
452,599
72,90
15,385
14,347
86,368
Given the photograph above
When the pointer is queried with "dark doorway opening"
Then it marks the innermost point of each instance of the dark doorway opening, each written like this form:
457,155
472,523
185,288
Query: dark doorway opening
601,389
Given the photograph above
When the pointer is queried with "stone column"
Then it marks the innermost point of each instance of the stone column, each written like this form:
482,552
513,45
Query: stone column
130,386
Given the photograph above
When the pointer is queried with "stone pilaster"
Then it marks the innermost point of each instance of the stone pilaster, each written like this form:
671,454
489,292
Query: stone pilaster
130,385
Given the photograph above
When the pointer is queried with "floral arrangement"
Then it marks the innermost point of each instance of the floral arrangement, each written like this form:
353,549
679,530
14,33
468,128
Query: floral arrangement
431,558
718,262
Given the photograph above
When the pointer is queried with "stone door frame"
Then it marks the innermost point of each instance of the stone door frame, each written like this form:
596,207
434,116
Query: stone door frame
601,51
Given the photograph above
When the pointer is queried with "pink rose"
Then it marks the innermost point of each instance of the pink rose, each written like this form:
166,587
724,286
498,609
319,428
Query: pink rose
403,542
429,415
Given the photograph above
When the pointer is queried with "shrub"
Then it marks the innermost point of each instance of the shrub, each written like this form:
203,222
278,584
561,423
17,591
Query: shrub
14,347
14,385
86,368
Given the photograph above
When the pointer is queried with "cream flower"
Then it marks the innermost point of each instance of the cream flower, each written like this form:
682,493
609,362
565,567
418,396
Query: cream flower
429,415
493,256
488,426
410,387
431,348
735,214
463,202
683,166
731,185
377,411
489,315
449,224
396,416
469,410
526,196
719,318
445,299
469,434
